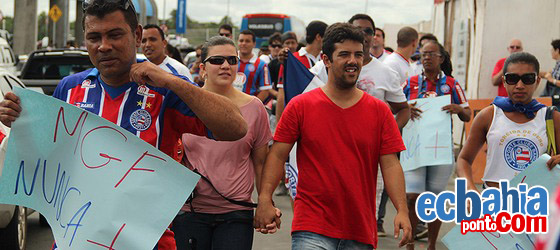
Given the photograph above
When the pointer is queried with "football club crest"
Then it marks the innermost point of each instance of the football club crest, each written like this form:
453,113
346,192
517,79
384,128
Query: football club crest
251,67
444,88
520,152
144,91
141,119
239,81
86,84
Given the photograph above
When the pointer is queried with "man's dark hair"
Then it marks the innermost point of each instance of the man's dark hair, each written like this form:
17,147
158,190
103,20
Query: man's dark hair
288,35
338,33
174,52
362,17
214,41
100,8
227,27
314,28
446,65
428,36
522,57
389,49
249,32
153,26
555,44
406,36
276,37
382,32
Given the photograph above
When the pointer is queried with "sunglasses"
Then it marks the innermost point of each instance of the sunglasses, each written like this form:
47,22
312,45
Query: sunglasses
369,31
514,47
276,46
527,79
225,34
124,4
219,60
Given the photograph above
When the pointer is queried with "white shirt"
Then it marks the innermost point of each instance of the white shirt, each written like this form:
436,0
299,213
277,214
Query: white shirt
265,58
398,63
375,78
175,67
512,146
313,59
383,55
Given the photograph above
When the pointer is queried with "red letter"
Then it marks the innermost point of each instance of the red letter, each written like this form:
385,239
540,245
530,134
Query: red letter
142,169
518,223
500,222
112,242
61,113
108,157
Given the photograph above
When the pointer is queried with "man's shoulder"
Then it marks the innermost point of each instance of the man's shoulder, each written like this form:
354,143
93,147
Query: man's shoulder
501,61
175,63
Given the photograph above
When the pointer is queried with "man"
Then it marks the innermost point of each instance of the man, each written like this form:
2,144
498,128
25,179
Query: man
275,46
226,30
338,161
378,45
407,41
257,78
514,46
378,80
112,36
308,55
153,46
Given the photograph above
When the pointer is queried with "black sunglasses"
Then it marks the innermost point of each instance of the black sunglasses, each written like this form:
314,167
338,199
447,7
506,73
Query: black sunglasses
225,34
368,31
527,79
124,4
276,46
219,60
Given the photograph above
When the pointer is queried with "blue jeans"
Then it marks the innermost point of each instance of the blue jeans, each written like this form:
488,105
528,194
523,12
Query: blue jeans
303,240
198,231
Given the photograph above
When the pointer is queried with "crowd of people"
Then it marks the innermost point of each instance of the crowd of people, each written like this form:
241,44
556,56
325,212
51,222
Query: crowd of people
335,147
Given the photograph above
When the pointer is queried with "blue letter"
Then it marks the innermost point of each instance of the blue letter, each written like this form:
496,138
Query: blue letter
85,207
491,206
537,206
506,192
440,206
425,207
462,196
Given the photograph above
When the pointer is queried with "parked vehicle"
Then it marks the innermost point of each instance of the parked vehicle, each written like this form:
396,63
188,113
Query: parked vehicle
7,58
13,219
265,24
45,68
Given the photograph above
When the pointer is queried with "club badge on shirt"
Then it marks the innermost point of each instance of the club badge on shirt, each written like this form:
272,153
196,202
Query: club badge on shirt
141,119
251,67
86,84
144,91
445,88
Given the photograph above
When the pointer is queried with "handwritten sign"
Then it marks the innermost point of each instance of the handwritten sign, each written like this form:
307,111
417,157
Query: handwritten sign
428,140
98,185
536,174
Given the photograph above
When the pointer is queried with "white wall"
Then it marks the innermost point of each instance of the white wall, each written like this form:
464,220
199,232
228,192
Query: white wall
535,23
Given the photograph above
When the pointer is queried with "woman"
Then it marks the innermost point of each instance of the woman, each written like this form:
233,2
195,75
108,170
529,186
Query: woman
212,220
553,78
432,82
517,112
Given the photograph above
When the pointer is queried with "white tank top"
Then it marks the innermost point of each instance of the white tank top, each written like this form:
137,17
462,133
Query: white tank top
512,146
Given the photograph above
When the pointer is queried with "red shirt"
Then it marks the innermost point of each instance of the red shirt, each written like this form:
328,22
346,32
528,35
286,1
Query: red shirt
499,66
338,154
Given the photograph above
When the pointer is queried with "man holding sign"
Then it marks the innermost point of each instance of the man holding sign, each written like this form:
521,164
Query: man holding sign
140,97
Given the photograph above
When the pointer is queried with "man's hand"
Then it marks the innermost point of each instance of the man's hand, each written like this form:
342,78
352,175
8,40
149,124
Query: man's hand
267,218
283,54
402,222
9,109
453,108
148,73
554,160
415,113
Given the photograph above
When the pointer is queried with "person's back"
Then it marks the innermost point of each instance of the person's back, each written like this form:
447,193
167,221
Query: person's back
407,40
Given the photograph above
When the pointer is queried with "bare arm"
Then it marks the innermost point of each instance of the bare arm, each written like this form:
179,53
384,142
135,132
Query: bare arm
475,141
402,109
555,159
497,78
272,173
258,156
218,113
394,184
279,104
262,95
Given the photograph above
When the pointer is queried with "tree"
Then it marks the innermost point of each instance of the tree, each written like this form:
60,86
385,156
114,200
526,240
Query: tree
42,30
8,22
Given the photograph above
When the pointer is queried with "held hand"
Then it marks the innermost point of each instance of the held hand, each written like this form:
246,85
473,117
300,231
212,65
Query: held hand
554,160
148,73
9,109
402,222
415,113
452,108
283,55
267,218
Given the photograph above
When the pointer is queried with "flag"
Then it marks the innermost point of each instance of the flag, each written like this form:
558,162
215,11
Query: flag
297,78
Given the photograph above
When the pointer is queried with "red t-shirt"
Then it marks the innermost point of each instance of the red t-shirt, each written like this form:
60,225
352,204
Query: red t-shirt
499,66
337,154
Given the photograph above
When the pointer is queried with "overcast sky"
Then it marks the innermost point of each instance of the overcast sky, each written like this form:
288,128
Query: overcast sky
382,11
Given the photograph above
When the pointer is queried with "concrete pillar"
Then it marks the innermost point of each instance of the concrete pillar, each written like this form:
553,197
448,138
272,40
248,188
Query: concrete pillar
25,19
78,28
